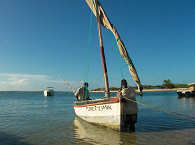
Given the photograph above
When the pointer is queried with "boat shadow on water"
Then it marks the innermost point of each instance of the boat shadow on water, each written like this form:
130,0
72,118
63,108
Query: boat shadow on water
85,132
7,139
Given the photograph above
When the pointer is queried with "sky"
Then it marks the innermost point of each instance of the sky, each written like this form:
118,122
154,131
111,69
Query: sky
43,41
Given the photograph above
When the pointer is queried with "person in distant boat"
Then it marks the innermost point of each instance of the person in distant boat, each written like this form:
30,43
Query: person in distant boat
129,95
82,93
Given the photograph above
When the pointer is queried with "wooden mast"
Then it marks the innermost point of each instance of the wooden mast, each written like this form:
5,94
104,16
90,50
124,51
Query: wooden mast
106,84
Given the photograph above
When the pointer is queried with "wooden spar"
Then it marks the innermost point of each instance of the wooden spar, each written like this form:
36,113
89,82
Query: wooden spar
107,24
106,84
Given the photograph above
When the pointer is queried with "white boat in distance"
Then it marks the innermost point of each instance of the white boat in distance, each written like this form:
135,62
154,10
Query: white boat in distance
49,91
114,112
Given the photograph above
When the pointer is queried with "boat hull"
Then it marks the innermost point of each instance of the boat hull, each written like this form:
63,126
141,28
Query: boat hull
185,93
48,93
116,113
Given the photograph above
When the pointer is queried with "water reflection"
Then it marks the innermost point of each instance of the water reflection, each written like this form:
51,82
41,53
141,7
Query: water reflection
7,139
85,132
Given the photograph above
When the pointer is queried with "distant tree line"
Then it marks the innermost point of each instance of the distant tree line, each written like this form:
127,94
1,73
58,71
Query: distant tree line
166,84
102,89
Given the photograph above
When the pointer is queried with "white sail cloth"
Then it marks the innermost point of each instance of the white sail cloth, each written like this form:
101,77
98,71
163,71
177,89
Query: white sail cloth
106,23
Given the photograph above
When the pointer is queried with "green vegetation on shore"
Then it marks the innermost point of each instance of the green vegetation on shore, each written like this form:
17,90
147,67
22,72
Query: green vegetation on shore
167,84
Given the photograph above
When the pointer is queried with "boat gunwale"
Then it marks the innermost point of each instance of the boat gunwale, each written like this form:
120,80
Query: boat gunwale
96,102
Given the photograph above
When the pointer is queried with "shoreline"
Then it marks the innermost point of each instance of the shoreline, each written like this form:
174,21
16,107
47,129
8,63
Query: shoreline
148,90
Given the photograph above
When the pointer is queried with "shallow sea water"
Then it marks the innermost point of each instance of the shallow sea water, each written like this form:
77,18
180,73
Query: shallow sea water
27,118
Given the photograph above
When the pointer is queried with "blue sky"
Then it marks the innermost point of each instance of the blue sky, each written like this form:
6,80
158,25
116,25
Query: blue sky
43,40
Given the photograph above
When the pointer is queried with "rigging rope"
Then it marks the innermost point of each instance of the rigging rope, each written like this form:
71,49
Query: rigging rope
69,86
164,111
115,51
86,72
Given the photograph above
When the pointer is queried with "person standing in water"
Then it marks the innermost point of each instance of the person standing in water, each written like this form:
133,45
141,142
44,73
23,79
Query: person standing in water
129,95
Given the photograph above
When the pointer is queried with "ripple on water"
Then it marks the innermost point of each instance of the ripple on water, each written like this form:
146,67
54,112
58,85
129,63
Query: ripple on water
27,118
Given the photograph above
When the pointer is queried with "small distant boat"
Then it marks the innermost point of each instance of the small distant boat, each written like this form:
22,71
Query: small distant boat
190,92
49,91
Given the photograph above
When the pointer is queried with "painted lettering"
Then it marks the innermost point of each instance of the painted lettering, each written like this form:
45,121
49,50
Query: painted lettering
99,108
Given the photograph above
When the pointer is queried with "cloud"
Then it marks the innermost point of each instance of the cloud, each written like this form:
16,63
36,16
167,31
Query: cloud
38,82
20,76
28,82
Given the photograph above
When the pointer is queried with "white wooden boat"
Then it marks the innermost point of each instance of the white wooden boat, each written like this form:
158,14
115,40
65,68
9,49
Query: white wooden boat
115,112
49,91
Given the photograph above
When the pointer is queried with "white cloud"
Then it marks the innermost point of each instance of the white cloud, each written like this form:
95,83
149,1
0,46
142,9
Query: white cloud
38,82
20,76
28,82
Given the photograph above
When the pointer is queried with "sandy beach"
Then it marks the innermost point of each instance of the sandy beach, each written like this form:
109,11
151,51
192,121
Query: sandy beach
150,90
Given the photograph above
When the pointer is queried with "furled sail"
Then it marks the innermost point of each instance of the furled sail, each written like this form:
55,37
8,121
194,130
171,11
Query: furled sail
106,23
